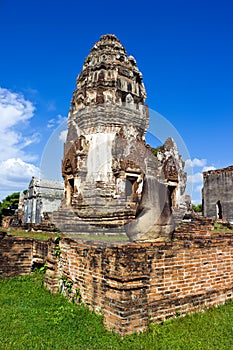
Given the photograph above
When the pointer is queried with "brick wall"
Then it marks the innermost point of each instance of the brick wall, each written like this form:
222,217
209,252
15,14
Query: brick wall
19,254
131,282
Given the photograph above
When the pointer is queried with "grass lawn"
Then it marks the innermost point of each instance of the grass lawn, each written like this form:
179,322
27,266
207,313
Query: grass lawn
219,227
46,235
32,318
31,234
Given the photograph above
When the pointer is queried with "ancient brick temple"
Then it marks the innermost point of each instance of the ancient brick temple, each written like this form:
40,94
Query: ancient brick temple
114,181
217,193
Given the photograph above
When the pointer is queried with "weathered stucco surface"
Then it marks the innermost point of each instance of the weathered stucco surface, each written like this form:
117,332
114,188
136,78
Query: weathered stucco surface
114,183
42,198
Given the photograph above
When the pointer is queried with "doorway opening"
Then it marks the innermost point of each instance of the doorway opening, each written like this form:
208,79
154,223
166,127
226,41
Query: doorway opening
172,196
219,210
130,185
70,190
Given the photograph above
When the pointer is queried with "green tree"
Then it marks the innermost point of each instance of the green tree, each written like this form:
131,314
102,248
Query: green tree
197,208
156,150
9,205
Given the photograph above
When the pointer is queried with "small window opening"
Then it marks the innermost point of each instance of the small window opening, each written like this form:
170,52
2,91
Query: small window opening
101,75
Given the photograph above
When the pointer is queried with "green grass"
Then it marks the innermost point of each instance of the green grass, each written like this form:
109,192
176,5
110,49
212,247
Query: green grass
32,318
46,235
219,227
114,238
31,234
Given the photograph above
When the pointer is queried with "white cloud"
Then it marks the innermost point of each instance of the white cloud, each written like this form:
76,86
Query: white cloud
198,188
196,162
34,138
207,168
54,122
196,201
16,169
51,123
14,109
15,174
195,178
196,181
15,115
62,135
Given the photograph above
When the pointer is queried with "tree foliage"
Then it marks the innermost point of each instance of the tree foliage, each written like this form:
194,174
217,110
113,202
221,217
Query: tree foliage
156,150
197,208
9,205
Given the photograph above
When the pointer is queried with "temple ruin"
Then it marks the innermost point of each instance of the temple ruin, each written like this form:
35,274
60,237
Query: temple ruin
217,194
41,199
114,182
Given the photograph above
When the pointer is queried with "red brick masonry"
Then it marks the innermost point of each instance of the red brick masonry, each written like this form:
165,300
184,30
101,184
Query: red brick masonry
18,255
131,283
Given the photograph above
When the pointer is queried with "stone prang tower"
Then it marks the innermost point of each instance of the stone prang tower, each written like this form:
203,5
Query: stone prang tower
113,181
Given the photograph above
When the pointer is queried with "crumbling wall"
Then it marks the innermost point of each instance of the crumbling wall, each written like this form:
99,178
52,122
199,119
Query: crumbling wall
217,193
6,221
131,283
18,255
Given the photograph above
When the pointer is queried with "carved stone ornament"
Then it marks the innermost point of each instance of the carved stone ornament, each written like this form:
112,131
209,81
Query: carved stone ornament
114,184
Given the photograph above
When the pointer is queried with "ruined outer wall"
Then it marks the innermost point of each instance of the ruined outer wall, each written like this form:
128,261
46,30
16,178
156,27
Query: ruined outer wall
130,283
218,186
19,254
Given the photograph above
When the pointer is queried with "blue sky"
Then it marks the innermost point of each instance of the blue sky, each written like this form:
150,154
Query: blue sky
183,48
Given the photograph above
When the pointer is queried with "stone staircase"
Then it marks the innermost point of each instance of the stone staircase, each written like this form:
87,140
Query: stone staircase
70,224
